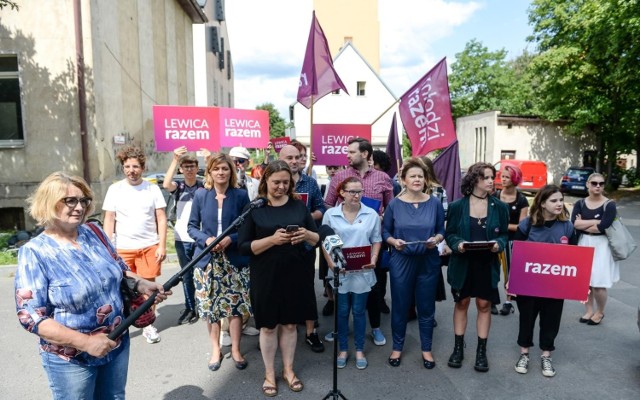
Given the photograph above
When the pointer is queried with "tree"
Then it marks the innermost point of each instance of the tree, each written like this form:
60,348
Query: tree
276,122
587,67
481,80
9,3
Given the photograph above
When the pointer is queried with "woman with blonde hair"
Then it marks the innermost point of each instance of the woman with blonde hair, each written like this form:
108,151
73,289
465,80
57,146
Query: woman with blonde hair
221,278
591,216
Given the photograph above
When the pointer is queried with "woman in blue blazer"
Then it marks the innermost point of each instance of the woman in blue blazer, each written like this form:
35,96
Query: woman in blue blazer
476,217
222,278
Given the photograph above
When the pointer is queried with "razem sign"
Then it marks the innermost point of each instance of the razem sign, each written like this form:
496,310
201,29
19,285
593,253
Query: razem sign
209,127
557,271
193,127
331,141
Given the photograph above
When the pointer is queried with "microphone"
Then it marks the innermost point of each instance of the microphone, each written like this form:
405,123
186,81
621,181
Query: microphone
259,202
332,244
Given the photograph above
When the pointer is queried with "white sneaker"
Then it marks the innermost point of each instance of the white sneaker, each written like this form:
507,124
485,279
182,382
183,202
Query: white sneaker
329,337
151,334
522,366
250,331
225,339
547,367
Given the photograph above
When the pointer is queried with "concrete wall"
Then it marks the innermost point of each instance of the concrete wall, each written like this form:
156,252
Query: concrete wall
136,53
530,138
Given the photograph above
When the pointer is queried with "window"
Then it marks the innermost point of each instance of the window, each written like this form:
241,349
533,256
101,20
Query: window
361,86
481,144
11,131
221,55
508,155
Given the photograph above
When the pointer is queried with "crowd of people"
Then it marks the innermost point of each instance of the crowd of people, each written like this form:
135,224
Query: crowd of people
260,278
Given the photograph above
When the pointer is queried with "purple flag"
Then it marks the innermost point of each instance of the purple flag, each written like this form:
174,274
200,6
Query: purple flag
425,111
318,77
447,169
393,148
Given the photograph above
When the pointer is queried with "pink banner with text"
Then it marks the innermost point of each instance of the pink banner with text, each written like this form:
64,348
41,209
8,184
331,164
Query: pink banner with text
557,271
209,127
330,142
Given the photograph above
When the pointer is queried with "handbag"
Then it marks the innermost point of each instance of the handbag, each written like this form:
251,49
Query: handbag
620,240
131,298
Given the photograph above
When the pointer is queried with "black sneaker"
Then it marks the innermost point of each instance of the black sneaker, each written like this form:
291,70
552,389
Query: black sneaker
494,309
313,340
328,308
185,317
194,317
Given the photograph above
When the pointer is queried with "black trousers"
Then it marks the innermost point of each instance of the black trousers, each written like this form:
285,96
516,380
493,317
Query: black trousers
376,296
550,312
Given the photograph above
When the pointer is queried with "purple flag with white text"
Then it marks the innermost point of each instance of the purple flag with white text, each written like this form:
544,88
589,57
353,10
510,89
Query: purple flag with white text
447,169
318,77
425,111
393,148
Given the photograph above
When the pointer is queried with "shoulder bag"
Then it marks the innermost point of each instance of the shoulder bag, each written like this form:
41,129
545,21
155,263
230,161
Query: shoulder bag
131,299
620,240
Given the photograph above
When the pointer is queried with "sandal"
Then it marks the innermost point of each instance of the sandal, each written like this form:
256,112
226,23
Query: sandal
295,385
269,389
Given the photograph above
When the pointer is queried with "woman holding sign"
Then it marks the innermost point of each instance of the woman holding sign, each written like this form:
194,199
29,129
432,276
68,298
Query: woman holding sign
413,226
591,217
477,230
359,228
549,223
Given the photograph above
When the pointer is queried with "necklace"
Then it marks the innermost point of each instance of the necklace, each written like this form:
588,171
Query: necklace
478,197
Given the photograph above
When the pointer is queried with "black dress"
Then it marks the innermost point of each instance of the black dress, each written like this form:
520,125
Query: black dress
478,281
279,292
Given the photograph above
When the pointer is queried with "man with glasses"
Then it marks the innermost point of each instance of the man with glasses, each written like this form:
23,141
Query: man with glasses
378,193
182,191
136,222
241,158
309,190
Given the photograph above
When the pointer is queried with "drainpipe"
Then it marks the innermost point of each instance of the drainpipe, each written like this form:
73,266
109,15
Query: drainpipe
82,94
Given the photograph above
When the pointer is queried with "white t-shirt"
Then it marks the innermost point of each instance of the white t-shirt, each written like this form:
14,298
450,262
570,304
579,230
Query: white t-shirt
135,208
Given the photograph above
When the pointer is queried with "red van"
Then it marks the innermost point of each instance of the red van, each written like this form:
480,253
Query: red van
534,174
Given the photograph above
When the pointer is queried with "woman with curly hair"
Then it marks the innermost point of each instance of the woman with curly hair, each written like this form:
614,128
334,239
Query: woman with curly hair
477,216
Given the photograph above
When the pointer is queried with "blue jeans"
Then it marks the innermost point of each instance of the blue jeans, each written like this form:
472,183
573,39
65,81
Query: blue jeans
73,381
357,303
184,251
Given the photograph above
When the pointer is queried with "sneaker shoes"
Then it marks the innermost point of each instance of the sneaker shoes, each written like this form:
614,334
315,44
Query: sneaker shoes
225,339
378,337
250,331
327,310
314,342
494,309
547,367
522,366
507,308
185,316
328,337
194,318
151,334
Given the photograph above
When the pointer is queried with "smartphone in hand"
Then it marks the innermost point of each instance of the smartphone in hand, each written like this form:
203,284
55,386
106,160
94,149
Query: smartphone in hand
292,228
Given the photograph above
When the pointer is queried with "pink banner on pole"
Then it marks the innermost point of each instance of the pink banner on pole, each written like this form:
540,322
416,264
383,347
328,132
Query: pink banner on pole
425,111
330,142
193,127
279,143
556,271
246,128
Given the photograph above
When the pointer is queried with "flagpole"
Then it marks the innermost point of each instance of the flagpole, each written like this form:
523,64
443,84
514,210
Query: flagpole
385,111
310,155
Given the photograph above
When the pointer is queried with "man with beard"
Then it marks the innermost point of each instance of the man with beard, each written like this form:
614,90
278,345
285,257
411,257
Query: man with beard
377,194
308,189
136,222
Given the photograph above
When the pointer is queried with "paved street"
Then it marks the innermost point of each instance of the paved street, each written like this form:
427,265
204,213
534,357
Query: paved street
592,362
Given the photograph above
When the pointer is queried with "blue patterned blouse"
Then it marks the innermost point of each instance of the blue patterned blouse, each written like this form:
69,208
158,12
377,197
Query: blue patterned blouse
78,288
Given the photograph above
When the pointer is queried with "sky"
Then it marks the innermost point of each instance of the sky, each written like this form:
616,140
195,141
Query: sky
268,40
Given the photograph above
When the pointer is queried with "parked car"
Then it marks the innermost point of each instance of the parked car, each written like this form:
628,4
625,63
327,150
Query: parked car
575,180
534,174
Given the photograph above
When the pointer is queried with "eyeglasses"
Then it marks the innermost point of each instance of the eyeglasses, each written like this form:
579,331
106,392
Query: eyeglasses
596,184
354,192
188,166
332,167
240,160
72,202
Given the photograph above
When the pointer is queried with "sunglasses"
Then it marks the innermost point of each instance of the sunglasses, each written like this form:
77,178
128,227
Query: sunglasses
596,184
240,160
72,202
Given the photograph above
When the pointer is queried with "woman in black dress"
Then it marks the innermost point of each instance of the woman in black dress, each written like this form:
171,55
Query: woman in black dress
277,255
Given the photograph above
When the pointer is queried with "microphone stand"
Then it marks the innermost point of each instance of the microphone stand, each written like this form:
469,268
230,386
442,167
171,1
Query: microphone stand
334,393
174,280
